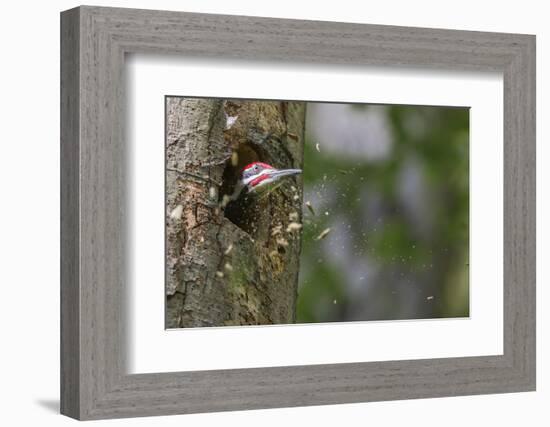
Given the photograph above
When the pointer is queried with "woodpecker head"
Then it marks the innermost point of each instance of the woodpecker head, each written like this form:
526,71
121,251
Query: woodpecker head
259,176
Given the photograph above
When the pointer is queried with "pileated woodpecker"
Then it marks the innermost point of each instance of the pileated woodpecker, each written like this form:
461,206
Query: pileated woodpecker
257,181
259,177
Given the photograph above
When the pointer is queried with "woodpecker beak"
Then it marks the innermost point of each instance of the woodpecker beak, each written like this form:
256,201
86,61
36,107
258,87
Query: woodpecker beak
268,179
276,174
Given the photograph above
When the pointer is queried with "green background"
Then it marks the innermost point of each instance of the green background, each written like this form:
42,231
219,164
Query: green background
392,184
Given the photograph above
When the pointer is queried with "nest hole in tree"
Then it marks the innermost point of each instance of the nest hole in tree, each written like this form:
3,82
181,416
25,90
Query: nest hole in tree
243,212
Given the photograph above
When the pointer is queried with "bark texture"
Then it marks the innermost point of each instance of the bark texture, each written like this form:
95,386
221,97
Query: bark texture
234,266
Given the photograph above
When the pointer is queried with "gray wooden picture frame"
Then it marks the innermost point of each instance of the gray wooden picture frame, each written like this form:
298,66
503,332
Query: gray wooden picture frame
94,41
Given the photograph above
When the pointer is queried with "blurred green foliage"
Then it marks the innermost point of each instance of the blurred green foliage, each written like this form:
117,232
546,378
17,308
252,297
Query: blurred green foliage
399,223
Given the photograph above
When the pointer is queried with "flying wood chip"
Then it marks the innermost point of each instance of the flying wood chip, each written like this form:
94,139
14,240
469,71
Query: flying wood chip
323,234
234,159
293,226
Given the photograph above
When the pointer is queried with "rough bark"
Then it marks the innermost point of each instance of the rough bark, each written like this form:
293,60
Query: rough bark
230,266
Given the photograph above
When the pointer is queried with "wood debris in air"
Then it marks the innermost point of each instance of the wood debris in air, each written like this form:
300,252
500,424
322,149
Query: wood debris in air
323,234
234,159
293,226
225,200
282,242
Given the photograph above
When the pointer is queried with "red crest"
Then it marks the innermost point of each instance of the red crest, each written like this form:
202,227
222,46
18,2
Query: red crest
263,165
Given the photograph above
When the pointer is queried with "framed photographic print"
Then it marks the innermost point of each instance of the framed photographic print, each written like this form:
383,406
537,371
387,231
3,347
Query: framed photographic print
262,213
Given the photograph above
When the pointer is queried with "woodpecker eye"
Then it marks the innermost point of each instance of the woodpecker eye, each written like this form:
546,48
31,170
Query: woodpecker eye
256,167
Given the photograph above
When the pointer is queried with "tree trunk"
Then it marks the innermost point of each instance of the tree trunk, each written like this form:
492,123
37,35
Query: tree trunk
238,265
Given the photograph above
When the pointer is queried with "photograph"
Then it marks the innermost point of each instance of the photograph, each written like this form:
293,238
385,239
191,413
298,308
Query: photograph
316,213
301,212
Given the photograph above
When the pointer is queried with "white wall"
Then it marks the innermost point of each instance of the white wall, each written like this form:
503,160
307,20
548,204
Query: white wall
29,229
